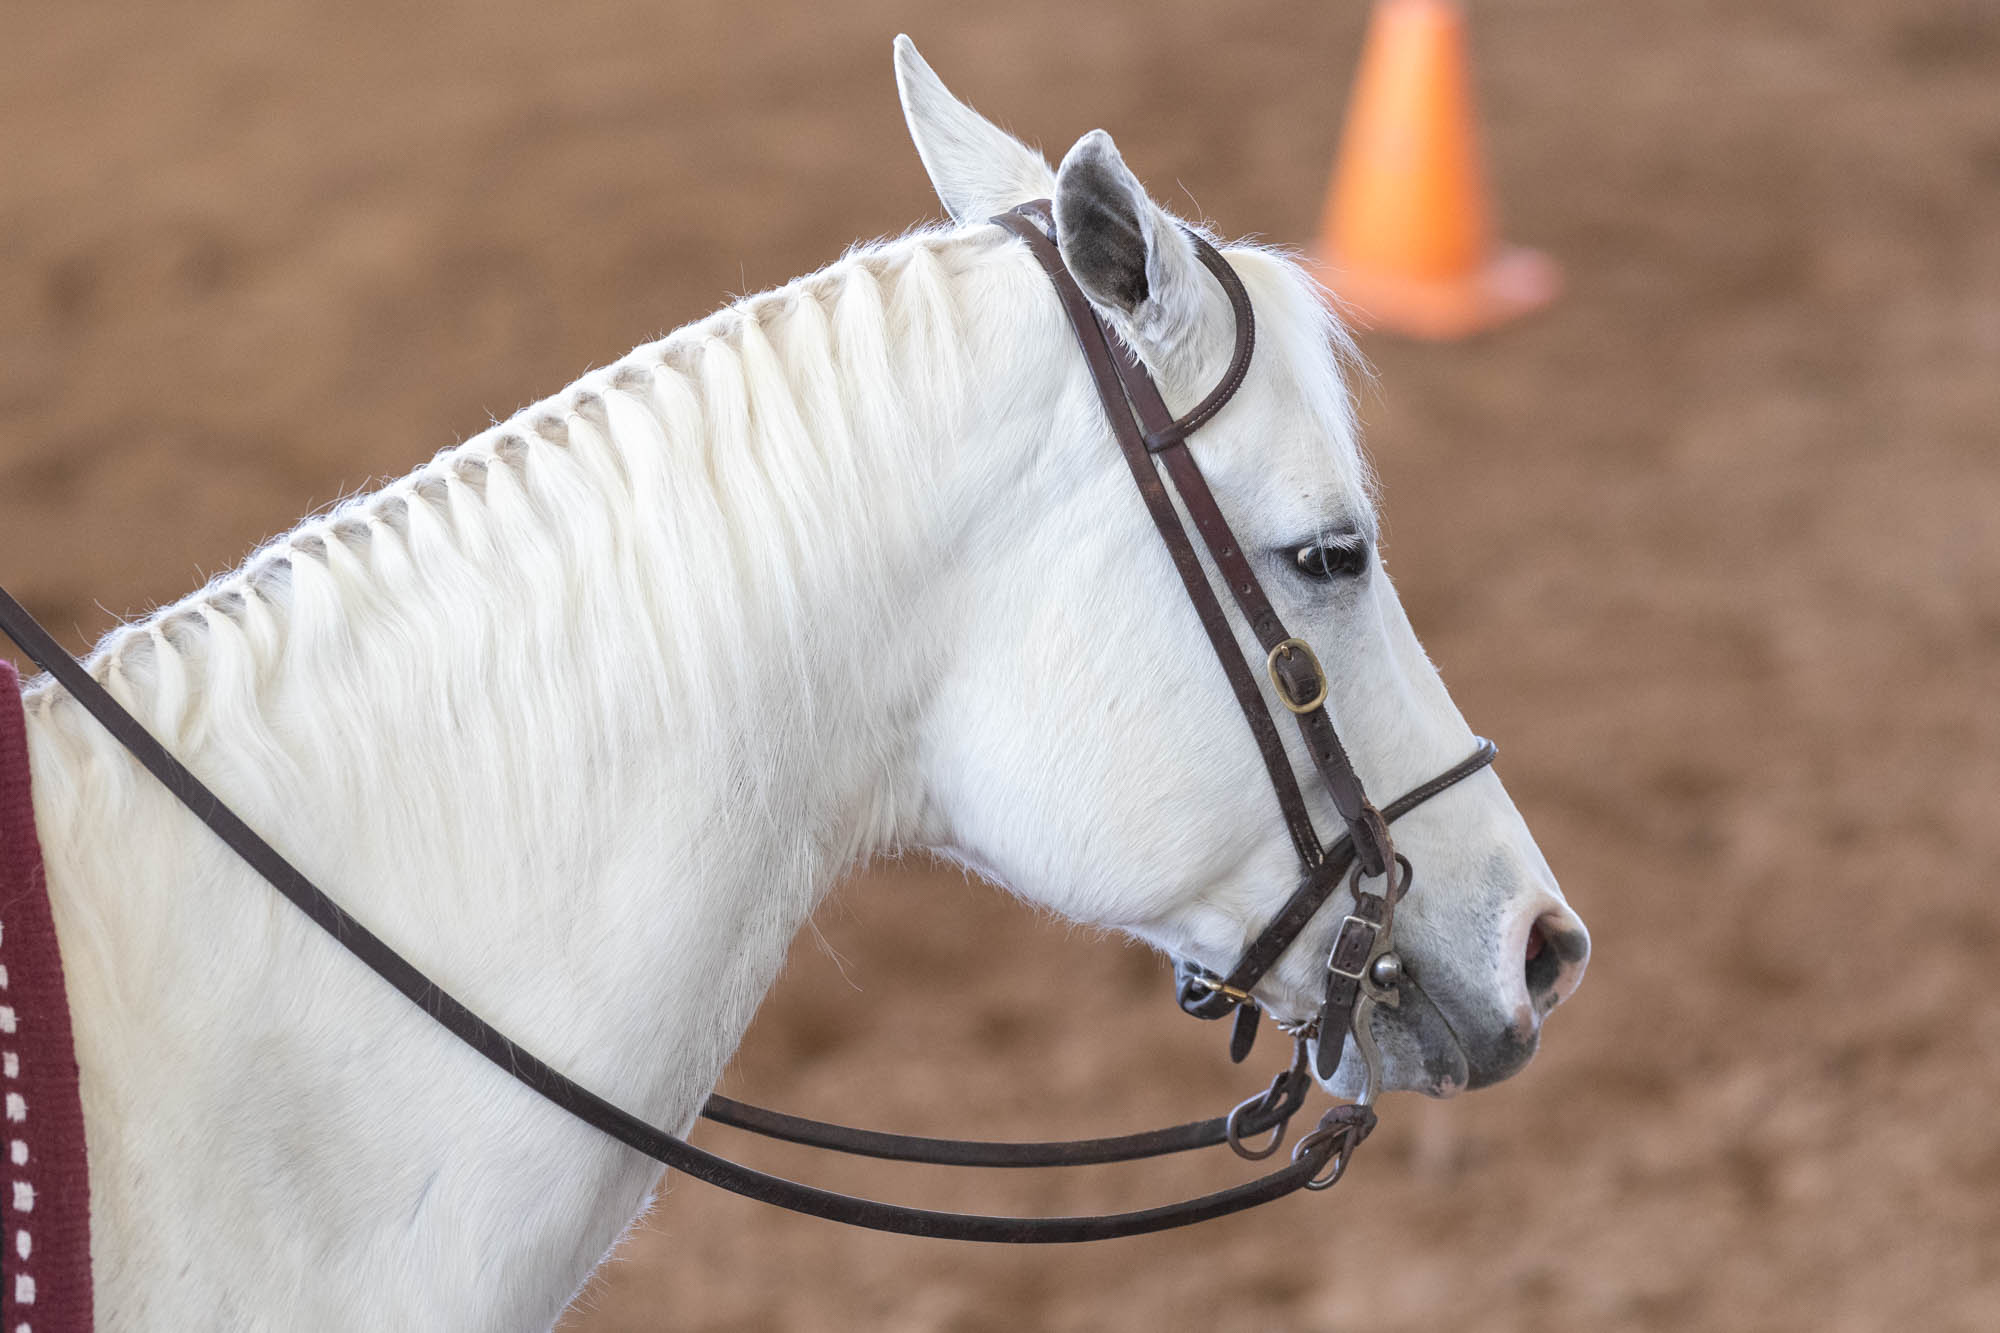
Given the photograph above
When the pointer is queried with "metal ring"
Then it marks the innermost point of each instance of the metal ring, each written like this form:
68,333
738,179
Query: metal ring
1394,889
1335,1166
1285,1096
1288,647
1234,1134
1350,1124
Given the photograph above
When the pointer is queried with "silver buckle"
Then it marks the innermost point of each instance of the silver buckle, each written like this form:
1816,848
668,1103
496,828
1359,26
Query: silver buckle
1343,972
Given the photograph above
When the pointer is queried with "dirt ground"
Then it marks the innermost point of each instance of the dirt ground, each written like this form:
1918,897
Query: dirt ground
1712,549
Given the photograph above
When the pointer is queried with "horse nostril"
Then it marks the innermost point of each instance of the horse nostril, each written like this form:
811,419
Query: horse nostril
1553,958
1542,964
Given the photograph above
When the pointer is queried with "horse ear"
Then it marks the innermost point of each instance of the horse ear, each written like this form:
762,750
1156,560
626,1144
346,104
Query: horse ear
1128,255
978,168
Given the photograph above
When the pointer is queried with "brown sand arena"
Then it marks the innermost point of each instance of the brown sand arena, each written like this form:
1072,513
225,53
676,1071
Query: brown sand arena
1711,549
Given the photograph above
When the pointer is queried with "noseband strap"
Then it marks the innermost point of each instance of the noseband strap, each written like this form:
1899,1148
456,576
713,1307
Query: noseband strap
1320,1157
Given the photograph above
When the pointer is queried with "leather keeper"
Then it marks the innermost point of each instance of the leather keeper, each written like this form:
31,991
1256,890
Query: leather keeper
1244,1034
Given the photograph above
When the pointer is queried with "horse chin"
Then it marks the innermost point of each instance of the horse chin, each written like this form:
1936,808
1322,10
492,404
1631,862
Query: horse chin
1420,1052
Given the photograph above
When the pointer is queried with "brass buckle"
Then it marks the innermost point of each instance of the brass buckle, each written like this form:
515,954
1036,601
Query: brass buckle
1223,988
1277,682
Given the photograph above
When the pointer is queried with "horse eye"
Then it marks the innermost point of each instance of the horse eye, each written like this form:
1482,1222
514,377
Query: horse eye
1332,560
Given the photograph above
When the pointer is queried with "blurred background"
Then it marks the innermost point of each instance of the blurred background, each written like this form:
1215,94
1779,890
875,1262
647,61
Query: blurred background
1711,547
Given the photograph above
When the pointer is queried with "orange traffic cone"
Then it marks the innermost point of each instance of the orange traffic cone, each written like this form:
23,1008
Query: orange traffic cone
1407,232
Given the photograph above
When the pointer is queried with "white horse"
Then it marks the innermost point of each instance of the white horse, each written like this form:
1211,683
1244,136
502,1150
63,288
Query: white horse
585,714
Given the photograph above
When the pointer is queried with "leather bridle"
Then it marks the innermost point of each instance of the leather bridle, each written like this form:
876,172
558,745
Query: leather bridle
1363,972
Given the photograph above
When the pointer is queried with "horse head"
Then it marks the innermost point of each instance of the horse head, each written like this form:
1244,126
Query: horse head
1081,746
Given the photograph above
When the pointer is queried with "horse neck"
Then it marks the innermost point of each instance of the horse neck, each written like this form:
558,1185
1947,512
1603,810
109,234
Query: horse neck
581,717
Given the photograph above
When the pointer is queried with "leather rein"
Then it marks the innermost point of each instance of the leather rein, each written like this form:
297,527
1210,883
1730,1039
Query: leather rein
1362,971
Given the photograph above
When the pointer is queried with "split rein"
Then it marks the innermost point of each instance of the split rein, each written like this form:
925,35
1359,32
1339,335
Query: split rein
1362,972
